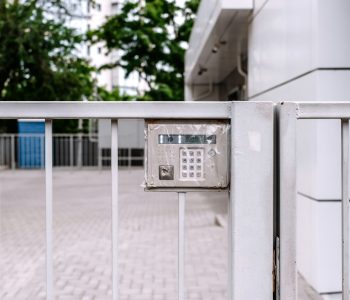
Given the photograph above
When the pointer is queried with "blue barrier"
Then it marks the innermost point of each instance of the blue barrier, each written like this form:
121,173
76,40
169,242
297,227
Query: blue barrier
31,144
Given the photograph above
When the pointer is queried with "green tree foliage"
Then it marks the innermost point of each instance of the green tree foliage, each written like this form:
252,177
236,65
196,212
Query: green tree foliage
152,36
38,55
113,95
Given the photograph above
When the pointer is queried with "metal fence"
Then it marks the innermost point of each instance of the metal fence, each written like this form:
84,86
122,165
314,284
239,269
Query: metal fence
290,113
250,220
26,151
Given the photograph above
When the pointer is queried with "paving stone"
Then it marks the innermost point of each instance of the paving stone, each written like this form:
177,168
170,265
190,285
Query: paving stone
82,238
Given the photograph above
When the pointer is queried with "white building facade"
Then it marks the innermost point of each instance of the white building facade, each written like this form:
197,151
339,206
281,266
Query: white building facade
285,50
89,15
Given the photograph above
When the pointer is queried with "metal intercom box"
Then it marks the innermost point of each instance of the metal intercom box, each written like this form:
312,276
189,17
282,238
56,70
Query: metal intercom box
187,154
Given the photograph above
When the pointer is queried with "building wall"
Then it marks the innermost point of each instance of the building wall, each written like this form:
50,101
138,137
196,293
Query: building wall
88,16
290,38
299,51
319,207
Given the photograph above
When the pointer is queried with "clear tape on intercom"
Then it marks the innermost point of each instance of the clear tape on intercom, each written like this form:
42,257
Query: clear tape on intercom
187,154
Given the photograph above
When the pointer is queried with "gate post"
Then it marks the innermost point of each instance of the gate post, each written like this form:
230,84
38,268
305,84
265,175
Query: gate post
251,201
287,200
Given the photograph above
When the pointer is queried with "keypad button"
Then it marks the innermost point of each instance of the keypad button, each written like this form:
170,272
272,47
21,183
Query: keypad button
191,167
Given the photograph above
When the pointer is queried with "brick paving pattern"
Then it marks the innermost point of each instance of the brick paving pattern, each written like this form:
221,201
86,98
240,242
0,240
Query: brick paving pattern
82,260
82,257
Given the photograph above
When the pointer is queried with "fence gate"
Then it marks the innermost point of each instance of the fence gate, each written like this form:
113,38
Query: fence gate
289,114
251,263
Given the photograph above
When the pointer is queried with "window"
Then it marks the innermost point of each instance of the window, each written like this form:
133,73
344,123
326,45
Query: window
115,6
94,5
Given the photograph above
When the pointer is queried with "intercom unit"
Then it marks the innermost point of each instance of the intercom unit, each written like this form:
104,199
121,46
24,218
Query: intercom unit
185,154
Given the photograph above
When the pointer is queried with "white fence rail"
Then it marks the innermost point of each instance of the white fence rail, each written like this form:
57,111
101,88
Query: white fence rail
250,222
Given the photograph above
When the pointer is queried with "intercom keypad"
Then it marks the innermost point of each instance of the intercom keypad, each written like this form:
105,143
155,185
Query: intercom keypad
191,164
185,154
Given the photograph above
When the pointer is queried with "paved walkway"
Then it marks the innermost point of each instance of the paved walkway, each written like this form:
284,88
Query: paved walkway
82,260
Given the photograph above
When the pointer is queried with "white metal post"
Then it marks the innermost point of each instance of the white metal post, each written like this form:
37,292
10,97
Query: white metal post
99,156
288,192
345,208
181,246
114,167
251,201
42,151
229,218
229,245
80,144
71,151
49,223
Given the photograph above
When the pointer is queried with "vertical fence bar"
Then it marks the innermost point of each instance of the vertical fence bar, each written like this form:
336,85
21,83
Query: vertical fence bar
3,148
64,142
61,150
287,202
2,151
229,245
229,217
71,151
42,151
32,152
91,152
114,169
99,156
66,151
80,148
13,161
181,245
345,209
48,187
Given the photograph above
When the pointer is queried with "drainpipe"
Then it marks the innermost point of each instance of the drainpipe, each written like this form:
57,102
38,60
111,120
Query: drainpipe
240,70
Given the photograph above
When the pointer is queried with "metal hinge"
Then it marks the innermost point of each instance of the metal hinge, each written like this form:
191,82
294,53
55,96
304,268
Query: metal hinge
276,270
